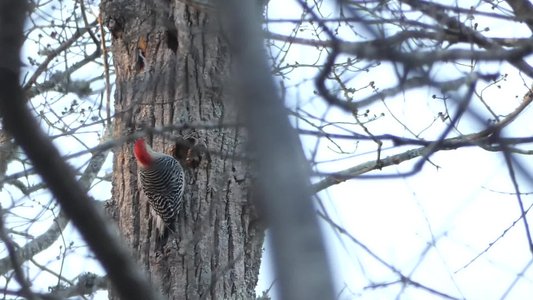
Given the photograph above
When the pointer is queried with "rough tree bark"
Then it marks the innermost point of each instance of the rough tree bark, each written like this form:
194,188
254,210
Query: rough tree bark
171,62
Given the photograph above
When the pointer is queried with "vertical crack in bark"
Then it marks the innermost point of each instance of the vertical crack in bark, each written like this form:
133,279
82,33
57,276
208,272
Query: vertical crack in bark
216,257
229,228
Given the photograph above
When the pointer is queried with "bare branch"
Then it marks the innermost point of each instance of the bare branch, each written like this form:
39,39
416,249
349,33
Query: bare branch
13,259
353,172
86,284
484,139
403,278
38,244
523,10
434,10
7,153
46,239
54,53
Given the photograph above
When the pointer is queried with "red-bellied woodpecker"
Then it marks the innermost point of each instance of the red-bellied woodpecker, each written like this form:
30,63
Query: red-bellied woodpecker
163,182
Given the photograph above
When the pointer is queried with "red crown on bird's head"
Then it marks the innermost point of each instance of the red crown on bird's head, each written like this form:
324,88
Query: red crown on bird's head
142,154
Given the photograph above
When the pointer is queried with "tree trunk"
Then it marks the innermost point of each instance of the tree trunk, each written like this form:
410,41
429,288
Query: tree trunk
171,63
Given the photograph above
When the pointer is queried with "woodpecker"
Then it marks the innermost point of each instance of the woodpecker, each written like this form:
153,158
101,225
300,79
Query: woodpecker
163,182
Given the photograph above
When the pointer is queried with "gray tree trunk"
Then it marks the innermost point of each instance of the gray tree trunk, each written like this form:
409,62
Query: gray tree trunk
171,64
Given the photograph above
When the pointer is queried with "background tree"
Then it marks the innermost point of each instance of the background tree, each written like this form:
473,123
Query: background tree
380,90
